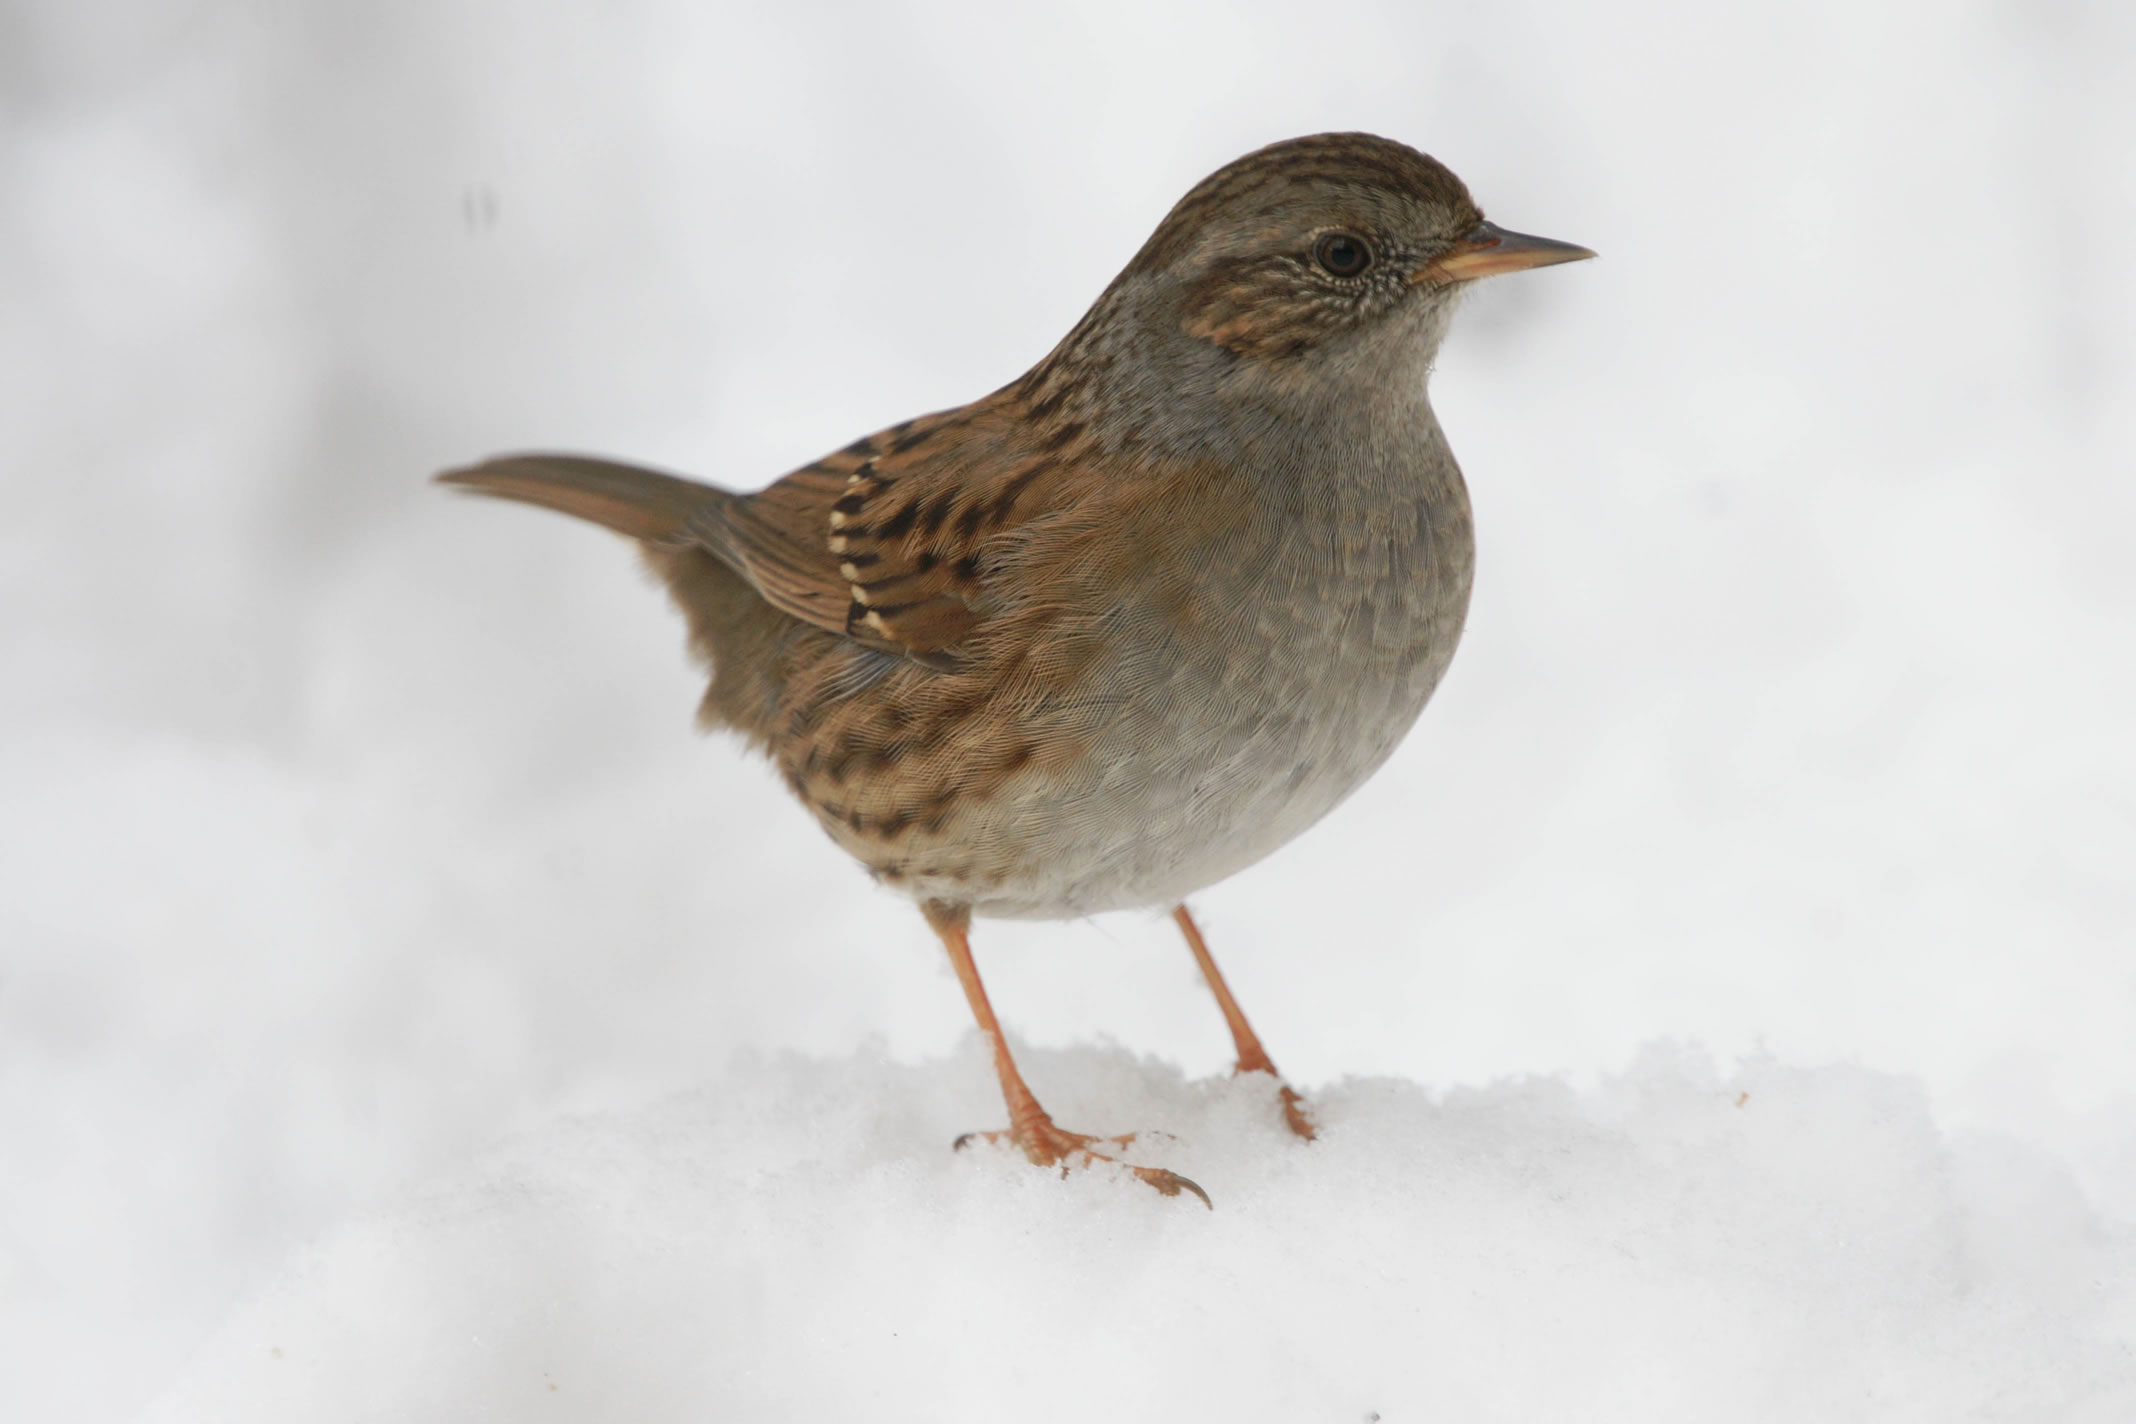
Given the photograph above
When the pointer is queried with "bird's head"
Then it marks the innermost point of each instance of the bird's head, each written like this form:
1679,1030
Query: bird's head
1308,244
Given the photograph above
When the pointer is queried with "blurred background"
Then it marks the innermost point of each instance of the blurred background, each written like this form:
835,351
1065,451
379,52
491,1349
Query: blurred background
346,827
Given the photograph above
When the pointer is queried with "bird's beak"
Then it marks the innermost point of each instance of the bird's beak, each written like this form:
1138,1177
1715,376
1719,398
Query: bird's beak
1490,250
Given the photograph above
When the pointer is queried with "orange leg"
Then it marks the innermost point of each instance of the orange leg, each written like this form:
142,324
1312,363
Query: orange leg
1031,1128
1252,1057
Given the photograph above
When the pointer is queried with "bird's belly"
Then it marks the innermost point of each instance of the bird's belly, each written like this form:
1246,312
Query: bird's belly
1221,751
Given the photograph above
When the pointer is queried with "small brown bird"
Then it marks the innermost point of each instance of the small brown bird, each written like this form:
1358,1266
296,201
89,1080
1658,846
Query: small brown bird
1139,617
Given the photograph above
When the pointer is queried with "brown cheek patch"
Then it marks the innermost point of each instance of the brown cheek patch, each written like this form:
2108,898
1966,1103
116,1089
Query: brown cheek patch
1258,310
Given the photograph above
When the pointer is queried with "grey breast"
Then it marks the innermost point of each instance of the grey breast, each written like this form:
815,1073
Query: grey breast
1219,749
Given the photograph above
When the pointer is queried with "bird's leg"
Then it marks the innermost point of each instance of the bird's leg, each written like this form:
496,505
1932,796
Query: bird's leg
1031,1128
1252,1057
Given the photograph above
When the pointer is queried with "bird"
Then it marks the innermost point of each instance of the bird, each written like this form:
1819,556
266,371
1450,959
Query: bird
1125,626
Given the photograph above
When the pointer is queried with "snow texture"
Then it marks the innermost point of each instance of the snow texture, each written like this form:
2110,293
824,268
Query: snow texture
348,831
799,1243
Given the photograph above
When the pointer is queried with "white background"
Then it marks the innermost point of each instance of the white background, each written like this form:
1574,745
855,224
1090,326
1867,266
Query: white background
346,828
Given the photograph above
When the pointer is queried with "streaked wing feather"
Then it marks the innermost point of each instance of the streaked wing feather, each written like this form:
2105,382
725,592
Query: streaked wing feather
883,541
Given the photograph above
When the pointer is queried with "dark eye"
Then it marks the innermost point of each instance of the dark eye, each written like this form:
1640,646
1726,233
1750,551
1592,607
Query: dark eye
1342,254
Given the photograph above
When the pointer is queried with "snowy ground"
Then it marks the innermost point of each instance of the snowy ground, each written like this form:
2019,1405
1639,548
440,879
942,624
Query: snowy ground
377,944
1782,1244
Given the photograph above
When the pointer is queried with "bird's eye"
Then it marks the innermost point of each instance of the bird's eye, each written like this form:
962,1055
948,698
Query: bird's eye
1342,254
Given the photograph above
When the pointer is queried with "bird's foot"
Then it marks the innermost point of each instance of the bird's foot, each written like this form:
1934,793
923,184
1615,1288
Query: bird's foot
1296,1113
1049,1146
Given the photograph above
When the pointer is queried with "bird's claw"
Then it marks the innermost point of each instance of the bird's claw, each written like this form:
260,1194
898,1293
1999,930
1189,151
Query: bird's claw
1049,1146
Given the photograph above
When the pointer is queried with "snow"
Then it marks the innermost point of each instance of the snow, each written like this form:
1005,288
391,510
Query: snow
387,975
798,1242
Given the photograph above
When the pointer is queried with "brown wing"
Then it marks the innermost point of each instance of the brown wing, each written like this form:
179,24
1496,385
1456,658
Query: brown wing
884,541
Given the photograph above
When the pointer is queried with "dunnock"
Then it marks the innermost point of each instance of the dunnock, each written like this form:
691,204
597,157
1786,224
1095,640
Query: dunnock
1137,618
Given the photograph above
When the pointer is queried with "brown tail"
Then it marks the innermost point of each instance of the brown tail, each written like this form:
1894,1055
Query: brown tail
641,503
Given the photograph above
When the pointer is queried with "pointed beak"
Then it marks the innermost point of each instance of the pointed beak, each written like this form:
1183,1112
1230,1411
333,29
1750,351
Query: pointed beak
1491,250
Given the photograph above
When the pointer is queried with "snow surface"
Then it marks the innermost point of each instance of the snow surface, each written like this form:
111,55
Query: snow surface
800,1243
347,830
